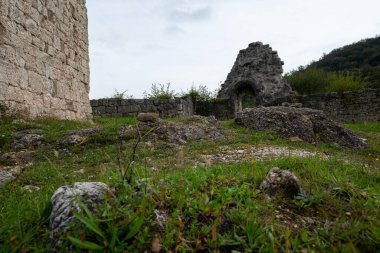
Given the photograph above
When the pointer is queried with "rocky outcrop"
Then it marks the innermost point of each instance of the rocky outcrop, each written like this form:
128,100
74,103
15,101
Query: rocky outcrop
66,200
281,183
307,124
257,69
177,133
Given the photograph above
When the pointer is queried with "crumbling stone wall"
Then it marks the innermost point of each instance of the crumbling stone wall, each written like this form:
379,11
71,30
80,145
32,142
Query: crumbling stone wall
222,109
349,106
111,107
44,59
257,72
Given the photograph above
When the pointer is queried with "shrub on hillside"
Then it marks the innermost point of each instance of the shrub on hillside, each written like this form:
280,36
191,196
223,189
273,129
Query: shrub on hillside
313,80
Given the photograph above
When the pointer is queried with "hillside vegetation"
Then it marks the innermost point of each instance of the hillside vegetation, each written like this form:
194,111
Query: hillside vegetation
210,197
347,68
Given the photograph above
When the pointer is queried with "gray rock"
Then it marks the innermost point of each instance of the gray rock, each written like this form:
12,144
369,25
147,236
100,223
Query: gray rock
5,176
66,199
281,183
31,188
18,158
258,71
27,139
74,139
85,132
10,173
79,137
128,132
309,125
148,117
179,133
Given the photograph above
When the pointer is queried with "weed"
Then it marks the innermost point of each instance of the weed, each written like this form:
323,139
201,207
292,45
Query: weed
211,208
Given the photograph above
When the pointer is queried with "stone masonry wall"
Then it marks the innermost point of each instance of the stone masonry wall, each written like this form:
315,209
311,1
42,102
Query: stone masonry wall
222,109
354,106
178,107
44,58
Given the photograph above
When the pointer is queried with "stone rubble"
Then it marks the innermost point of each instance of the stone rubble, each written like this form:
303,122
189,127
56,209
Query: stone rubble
307,124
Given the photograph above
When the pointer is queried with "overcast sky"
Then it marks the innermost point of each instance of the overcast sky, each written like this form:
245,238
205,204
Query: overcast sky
134,43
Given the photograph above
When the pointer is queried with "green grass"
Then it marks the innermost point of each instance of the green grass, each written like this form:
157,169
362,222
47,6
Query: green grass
367,127
210,209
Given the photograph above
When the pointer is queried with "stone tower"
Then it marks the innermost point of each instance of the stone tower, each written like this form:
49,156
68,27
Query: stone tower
257,73
44,58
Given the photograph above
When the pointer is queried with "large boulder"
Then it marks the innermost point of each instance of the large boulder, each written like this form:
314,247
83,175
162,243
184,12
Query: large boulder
307,124
67,199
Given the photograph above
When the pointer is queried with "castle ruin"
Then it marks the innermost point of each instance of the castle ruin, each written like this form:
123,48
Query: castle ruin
256,79
44,58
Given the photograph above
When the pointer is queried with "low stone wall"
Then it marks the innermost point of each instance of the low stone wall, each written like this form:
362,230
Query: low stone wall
178,107
222,109
349,106
352,106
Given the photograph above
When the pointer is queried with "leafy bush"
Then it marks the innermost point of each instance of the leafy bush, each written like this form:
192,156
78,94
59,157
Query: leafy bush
121,95
313,80
160,91
345,83
200,93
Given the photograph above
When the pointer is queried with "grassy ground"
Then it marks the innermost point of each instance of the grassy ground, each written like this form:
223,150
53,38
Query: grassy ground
215,208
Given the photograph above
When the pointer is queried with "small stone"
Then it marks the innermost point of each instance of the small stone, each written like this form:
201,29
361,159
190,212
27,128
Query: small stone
5,176
31,188
161,216
148,117
74,140
81,171
127,132
281,183
66,199
295,139
79,137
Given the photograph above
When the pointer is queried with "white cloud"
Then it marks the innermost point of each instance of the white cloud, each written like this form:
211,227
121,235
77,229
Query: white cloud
136,43
190,14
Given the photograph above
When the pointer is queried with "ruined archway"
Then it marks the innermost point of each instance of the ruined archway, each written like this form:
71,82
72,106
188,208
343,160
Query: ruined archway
245,96
256,76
